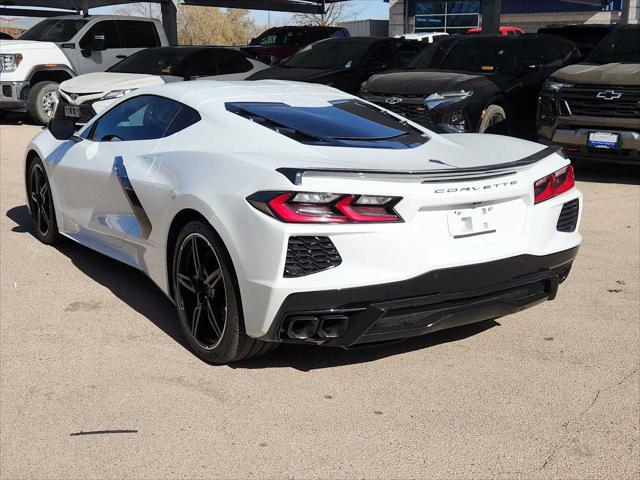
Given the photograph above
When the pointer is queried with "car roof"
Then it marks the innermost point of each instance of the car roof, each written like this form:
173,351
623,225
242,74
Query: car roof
101,17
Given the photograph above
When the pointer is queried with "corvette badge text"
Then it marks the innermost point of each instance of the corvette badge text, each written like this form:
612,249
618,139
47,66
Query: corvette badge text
475,189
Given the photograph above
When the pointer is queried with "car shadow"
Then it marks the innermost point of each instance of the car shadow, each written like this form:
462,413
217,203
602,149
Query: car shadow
140,293
13,118
607,173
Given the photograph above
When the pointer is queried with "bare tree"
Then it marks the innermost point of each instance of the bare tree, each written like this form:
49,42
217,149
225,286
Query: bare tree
214,26
150,10
334,13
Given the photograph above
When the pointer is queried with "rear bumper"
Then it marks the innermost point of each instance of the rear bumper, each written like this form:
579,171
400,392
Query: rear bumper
430,302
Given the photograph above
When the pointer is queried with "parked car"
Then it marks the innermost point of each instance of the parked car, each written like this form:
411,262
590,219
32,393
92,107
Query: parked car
343,63
83,96
503,31
278,43
585,35
472,83
5,36
426,37
282,212
592,109
61,48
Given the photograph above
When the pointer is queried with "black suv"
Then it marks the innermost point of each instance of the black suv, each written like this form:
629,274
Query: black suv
473,83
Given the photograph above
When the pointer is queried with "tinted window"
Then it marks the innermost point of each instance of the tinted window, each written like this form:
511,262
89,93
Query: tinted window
406,52
200,64
342,123
137,34
281,36
621,45
53,30
232,62
530,53
329,54
154,61
380,57
145,117
340,33
480,55
108,29
185,118
551,54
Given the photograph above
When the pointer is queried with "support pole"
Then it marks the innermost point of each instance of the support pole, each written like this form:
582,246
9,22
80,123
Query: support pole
491,10
170,21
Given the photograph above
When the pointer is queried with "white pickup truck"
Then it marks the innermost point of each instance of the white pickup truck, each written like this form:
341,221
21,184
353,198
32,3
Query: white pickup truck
60,48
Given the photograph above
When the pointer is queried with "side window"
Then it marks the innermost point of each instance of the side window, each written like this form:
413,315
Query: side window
339,33
106,28
200,64
146,117
529,53
380,57
232,62
138,34
185,118
406,51
551,55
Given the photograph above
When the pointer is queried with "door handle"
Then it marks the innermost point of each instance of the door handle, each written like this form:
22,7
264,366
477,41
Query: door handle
121,56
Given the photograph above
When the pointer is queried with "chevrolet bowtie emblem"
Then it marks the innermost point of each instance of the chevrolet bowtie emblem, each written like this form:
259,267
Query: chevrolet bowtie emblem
392,100
609,95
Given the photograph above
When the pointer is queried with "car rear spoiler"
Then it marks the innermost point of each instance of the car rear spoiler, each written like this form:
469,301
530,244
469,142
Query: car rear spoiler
294,175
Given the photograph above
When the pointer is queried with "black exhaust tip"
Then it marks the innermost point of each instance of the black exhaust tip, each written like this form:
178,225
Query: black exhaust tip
302,328
332,326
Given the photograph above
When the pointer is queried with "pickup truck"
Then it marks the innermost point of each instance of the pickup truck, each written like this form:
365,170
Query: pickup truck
60,48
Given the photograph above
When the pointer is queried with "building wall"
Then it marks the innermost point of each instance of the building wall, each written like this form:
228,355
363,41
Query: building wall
527,14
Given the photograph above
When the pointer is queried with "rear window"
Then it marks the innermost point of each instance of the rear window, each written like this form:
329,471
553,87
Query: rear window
345,123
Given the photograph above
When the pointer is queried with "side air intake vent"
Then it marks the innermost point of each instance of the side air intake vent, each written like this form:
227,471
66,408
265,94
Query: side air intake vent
568,219
307,255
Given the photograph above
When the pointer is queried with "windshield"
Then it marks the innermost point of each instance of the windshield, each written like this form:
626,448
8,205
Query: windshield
280,36
480,55
53,30
153,62
329,54
620,46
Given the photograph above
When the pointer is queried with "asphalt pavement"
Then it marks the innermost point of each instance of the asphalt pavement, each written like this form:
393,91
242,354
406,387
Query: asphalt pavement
96,380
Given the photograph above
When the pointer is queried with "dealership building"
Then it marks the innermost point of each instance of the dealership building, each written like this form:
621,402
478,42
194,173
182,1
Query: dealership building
458,16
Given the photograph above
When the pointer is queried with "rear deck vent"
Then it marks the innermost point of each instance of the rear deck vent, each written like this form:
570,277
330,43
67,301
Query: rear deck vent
568,219
307,255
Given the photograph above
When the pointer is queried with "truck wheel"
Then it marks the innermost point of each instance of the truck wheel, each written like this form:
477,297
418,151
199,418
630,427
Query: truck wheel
492,115
43,99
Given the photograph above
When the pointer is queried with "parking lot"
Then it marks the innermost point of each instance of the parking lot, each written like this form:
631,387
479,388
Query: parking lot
97,380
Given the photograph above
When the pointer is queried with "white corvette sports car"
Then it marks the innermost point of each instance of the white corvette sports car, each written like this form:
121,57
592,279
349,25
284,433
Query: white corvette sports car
285,212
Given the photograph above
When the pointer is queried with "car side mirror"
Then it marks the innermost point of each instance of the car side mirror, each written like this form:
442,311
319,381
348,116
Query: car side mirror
62,128
98,42
190,74
253,41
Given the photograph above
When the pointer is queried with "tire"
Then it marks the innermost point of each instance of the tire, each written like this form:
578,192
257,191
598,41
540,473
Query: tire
213,325
39,104
491,115
41,203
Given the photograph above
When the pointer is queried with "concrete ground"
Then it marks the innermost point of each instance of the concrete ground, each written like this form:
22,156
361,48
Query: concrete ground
88,344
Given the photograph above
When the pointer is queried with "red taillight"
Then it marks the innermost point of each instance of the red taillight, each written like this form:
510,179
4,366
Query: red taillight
303,207
552,185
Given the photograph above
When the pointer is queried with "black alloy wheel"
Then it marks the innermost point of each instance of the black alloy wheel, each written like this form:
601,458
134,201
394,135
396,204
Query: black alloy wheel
200,291
41,203
207,297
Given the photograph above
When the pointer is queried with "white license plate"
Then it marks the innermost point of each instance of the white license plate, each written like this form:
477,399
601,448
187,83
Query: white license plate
603,140
469,222
71,111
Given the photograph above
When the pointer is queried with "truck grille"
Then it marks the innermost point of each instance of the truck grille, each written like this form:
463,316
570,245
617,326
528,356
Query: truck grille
568,219
307,255
584,100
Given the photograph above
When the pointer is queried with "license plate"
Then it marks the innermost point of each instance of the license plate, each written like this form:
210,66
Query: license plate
469,222
603,140
71,111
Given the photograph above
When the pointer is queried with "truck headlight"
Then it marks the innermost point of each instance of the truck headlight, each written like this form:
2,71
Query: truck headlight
9,62
555,86
435,99
458,121
116,94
